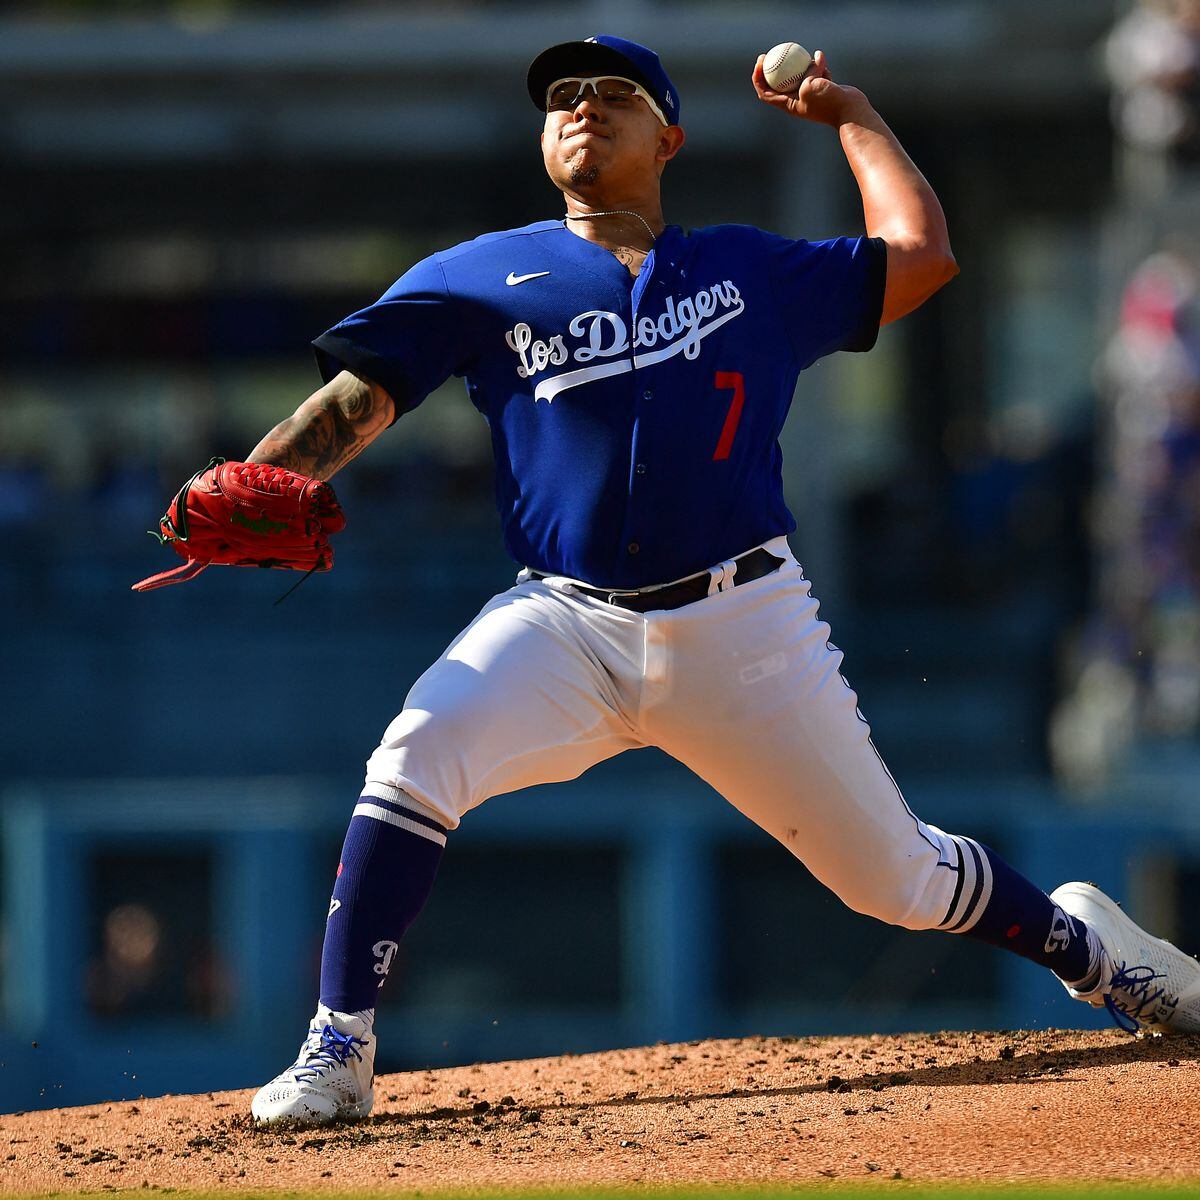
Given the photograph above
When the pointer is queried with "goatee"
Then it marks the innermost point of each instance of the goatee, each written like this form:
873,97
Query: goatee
584,176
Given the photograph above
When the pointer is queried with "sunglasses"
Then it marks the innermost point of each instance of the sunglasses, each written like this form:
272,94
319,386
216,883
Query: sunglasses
564,94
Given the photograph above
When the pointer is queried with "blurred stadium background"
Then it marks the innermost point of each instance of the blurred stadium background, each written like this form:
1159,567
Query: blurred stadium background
1000,508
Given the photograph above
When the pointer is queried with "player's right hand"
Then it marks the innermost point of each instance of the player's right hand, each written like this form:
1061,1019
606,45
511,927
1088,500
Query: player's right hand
248,515
818,99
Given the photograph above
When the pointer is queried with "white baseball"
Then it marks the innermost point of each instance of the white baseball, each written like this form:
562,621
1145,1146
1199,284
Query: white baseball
784,66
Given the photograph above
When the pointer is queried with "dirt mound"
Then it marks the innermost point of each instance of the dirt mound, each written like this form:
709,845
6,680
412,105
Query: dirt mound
1050,1105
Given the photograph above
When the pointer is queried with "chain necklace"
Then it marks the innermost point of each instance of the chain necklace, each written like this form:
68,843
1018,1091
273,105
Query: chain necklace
614,212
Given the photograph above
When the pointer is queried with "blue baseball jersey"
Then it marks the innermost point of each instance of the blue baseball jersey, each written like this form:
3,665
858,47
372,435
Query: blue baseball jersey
635,421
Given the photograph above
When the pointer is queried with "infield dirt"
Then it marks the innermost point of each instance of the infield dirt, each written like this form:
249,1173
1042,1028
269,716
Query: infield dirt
973,1106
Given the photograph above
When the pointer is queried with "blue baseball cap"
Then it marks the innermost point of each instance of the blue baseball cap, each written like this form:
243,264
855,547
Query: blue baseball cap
603,55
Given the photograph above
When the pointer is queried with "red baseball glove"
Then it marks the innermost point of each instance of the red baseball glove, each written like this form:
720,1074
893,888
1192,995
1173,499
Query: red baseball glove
248,515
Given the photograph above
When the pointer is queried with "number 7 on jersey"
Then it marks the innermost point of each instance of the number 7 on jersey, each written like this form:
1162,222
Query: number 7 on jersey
723,381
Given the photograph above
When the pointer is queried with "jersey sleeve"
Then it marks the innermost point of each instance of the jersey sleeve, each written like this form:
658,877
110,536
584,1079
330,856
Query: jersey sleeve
410,341
830,293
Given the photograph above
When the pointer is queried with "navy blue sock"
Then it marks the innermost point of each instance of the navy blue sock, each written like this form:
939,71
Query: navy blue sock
389,860
997,905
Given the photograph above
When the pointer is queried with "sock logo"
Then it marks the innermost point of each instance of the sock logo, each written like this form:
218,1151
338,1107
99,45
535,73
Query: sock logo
386,951
334,905
1060,932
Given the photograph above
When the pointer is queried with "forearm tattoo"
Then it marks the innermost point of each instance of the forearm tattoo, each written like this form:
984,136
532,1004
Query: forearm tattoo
328,429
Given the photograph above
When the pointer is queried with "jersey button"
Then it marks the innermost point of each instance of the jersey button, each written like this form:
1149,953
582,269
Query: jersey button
641,468
633,547
647,395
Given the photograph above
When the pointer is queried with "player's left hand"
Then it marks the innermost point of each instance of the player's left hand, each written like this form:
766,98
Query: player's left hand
818,98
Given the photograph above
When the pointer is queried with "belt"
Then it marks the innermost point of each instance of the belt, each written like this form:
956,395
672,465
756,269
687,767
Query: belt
751,566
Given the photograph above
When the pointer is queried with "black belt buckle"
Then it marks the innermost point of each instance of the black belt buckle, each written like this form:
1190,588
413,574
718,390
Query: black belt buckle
616,597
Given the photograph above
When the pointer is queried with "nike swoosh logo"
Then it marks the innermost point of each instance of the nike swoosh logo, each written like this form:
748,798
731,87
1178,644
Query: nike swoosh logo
513,280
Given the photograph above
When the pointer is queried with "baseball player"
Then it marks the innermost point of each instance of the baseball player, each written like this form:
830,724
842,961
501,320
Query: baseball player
635,377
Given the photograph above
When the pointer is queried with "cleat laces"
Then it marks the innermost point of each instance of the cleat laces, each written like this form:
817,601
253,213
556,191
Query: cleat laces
1138,994
334,1050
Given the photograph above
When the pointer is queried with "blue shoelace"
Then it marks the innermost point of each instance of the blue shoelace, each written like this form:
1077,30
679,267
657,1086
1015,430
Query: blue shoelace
1135,982
334,1051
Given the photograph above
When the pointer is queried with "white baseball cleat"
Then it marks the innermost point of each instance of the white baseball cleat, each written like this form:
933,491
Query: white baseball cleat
1146,983
332,1078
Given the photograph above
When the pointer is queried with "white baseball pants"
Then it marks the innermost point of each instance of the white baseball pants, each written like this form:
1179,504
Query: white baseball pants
743,687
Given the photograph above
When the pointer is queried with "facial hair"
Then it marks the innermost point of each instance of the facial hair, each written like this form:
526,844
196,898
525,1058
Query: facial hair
584,176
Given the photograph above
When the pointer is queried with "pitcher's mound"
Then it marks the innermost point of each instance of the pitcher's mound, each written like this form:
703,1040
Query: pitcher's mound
1046,1105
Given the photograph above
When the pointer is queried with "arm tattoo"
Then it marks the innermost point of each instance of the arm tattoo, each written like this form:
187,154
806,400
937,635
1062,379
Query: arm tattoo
329,428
